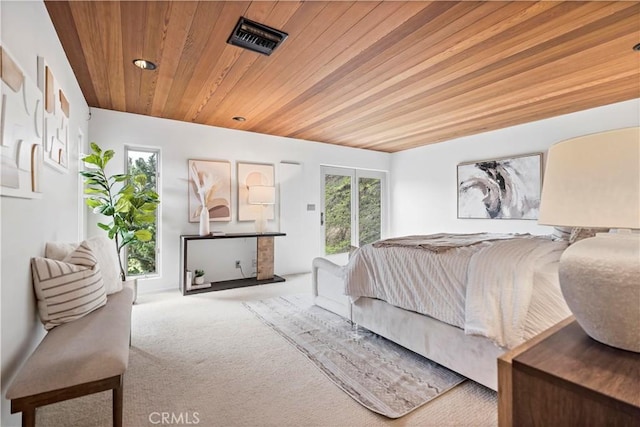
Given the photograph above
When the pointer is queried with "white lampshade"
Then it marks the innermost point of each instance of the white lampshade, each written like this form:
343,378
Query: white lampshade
593,181
262,195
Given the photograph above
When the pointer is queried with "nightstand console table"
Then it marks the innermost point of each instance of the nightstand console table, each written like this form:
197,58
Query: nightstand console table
569,379
264,262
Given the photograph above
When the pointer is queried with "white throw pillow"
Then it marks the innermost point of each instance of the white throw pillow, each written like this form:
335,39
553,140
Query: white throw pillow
580,233
104,250
66,291
58,250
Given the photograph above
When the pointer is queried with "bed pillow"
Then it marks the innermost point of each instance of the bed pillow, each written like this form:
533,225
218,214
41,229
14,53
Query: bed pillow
67,291
104,250
58,250
579,233
575,234
561,233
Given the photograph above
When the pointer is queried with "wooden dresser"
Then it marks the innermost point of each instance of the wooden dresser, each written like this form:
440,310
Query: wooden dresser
566,378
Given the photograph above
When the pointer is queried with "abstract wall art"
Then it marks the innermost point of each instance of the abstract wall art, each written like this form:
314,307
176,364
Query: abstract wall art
56,119
250,174
20,132
507,188
210,181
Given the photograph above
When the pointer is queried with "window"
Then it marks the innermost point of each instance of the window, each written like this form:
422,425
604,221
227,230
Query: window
142,257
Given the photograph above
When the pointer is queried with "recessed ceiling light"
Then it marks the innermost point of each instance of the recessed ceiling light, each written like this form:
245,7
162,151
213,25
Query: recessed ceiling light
144,64
637,47
239,119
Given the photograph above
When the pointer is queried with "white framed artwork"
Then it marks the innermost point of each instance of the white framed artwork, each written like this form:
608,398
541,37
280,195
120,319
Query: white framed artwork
56,119
20,132
214,179
254,174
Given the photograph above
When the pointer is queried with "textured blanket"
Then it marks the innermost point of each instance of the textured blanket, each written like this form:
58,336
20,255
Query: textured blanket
500,285
443,242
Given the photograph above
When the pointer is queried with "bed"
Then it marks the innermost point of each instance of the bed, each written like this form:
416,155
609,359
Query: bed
460,300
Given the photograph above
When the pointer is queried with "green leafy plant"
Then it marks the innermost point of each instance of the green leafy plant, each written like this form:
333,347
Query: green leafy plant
199,273
123,198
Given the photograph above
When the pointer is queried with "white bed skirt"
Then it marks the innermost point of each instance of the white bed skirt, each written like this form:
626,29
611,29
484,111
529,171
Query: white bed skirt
472,356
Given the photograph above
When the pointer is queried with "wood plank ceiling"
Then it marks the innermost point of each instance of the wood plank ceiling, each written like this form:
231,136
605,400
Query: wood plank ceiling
385,76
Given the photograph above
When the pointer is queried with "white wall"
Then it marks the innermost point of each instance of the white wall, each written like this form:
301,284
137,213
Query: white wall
27,32
423,183
181,141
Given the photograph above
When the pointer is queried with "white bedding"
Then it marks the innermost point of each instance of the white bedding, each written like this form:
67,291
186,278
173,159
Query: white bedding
486,289
501,282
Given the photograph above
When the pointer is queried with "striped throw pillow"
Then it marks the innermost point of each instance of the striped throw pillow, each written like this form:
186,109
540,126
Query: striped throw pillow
67,290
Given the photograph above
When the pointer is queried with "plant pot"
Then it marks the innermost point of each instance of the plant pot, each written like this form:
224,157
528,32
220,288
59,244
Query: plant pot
199,280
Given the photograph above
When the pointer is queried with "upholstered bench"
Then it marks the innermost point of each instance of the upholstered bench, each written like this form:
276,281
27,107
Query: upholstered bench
86,356
87,311
328,287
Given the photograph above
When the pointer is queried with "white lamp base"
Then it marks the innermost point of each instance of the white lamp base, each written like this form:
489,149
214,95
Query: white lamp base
261,222
600,281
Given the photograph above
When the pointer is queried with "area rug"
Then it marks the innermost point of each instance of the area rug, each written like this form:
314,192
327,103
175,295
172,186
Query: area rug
379,374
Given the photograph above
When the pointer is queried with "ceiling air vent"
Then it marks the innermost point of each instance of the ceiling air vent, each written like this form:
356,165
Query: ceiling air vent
257,37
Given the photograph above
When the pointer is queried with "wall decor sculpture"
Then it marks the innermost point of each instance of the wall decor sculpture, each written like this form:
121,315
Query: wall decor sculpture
210,180
56,119
507,188
21,132
250,174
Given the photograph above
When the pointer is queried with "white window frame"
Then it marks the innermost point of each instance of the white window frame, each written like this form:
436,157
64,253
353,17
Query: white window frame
158,151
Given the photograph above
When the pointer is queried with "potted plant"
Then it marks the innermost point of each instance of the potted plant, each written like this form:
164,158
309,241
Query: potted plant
123,198
199,277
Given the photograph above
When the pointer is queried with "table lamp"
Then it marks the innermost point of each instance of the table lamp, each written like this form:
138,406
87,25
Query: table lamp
262,195
594,181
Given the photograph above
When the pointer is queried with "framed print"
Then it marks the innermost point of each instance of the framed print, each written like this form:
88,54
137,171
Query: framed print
56,119
507,188
20,132
254,174
210,186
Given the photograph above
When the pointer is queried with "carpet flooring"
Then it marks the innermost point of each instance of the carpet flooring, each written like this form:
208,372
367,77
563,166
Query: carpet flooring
379,374
206,360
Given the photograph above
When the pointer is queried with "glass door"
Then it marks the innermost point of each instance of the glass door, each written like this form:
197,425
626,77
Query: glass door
353,212
370,214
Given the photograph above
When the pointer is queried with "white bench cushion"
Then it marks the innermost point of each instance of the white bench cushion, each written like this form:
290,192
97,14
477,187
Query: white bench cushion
89,349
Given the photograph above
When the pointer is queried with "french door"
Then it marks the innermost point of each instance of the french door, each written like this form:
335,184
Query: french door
353,211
